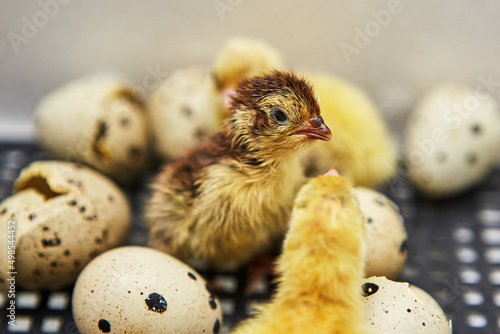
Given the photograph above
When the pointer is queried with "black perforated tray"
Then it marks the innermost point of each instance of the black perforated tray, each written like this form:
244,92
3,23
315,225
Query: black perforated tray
454,254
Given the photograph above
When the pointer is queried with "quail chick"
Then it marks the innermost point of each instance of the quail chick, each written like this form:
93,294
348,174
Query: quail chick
228,199
363,150
321,267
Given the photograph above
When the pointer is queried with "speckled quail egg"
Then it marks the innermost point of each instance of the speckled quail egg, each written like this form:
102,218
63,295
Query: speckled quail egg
394,307
452,139
142,290
65,214
184,110
386,238
97,120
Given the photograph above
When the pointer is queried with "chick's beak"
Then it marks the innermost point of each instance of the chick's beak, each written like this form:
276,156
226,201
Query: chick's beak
315,128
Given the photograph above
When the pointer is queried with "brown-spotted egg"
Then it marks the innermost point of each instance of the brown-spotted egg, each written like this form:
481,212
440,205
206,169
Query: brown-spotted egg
452,139
183,111
97,120
142,290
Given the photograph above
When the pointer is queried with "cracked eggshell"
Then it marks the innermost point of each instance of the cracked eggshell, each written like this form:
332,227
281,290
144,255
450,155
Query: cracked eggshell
452,140
65,215
386,238
142,290
394,307
184,111
98,121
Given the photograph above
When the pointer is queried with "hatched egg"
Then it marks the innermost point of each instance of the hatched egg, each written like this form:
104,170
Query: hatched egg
64,214
97,120
452,140
184,111
395,307
386,238
142,290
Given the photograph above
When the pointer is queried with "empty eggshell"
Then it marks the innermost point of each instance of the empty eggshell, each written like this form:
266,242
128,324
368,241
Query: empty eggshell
386,238
142,290
394,307
98,121
65,215
452,140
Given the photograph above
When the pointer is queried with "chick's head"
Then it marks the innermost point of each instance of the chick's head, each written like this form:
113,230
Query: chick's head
276,114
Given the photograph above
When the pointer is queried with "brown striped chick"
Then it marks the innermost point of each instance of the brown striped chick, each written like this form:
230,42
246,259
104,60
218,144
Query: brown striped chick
243,58
363,150
321,267
228,199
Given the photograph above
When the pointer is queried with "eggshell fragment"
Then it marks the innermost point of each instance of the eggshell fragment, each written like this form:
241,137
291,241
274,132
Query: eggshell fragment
142,290
452,140
65,215
394,307
386,238
184,110
98,121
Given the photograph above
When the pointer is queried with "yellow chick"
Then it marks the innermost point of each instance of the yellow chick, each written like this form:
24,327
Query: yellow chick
321,266
243,58
363,150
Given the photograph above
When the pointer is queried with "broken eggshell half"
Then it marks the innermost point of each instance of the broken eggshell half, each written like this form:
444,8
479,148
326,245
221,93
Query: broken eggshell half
64,215
97,120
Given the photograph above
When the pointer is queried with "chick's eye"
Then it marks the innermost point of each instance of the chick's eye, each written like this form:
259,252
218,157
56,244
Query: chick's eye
279,115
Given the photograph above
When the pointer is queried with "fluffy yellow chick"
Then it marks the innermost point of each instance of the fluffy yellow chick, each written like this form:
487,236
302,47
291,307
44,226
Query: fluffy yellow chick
243,58
321,266
363,150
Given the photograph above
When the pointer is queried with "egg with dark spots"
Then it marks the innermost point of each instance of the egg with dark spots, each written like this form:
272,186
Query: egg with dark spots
152,290
452,140
184,110
395,307
99,121
59,218
386,238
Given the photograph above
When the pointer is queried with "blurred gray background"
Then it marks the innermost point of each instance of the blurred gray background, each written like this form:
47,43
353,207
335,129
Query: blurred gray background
395,50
